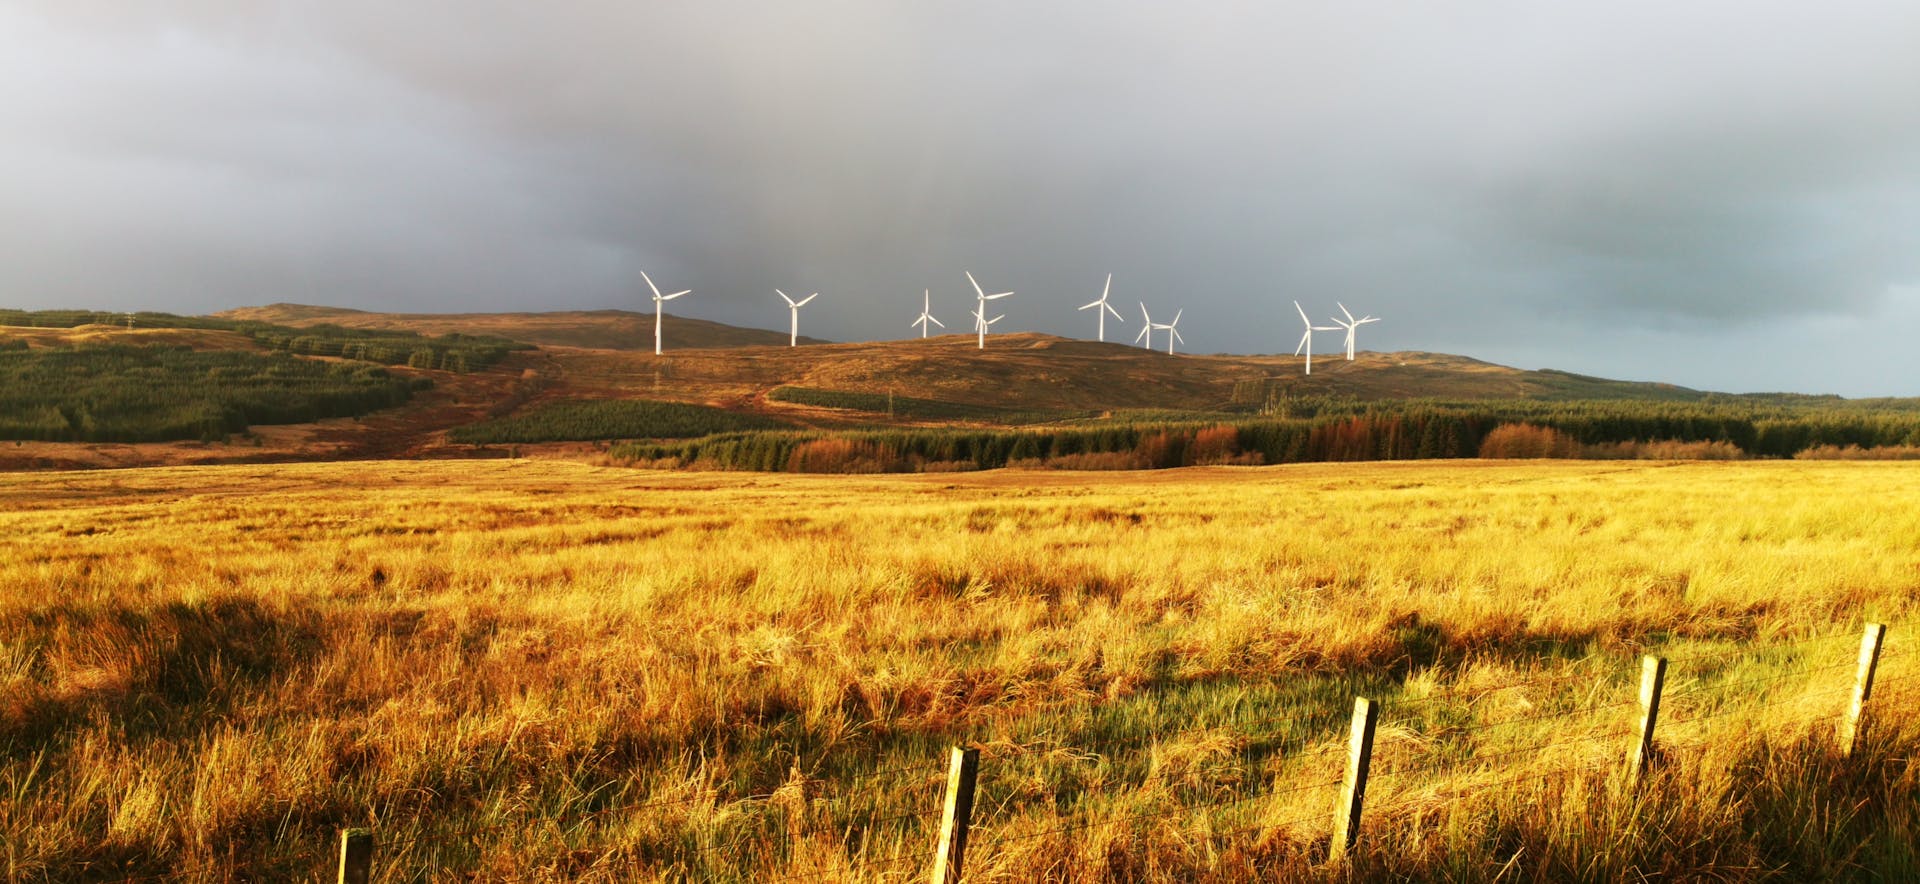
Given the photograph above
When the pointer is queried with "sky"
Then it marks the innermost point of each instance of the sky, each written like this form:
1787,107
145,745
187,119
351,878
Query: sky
1723,195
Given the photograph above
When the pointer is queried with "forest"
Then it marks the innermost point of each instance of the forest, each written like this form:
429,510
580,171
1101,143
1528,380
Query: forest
450,352
158,394
1324,430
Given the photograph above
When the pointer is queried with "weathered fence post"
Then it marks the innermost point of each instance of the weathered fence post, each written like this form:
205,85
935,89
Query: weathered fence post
1862,686
962,771
356,856
1353,789
1653,678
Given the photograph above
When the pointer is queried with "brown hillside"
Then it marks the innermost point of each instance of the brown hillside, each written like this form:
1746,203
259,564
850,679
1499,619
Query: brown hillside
1043,372
596,329
199,339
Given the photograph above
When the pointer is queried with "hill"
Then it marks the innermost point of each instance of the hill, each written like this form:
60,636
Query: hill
195,338
596,329
1042,372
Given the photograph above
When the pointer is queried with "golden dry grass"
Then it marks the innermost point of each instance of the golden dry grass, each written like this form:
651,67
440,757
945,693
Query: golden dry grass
544,671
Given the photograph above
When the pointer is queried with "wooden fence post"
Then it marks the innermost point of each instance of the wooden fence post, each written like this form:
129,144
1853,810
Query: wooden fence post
1653,678
1862,686
356,856
962,771
1353,789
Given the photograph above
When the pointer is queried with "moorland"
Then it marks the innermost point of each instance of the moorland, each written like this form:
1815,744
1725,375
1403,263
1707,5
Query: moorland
542,670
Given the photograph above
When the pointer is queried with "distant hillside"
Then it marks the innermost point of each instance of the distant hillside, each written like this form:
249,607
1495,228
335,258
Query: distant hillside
1041,372
596,329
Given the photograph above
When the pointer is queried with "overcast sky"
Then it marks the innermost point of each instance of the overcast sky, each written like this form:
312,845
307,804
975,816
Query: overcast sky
1724,195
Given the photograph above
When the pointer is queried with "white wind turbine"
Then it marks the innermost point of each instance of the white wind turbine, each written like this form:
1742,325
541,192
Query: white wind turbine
1173,334
1146,328
981,323
1105,308
1351,325
1306,340
980,320
926,313
658,299
793,330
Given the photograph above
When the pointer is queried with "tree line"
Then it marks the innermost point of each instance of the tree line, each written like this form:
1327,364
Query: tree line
1379,431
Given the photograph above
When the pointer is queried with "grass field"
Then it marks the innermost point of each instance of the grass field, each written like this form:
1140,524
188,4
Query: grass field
543,671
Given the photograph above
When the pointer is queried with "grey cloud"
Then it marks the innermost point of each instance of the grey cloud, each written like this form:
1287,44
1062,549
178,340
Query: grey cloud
1484,174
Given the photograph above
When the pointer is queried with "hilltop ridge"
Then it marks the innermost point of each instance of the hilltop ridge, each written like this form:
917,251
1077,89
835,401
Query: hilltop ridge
598,329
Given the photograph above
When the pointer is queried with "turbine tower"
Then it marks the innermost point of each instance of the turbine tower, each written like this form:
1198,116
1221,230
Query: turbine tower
980,320
658,299
1351,325
1173,334
926,313
1306,340
1146,328
793,330
1105,308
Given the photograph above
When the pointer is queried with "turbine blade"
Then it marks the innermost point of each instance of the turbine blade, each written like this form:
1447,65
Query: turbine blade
804,300
1105,291
649,279
993,297
783,296
1303,314
1304,340
1116,313
1343,309
1143,332
976,285
1176,334
675,295
1176,316
936,322
1143,314
1090,306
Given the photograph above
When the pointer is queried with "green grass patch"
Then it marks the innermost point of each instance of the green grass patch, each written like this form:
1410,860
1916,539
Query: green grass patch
587,420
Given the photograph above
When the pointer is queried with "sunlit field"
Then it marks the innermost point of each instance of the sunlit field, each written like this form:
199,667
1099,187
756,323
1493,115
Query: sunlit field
542,671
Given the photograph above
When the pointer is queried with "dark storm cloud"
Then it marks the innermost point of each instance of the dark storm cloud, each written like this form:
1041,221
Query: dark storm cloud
1635,189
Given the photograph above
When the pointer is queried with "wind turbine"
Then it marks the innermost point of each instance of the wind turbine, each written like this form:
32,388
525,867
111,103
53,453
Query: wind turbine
658,299
981,323
926,313
1306,340
1350,325
1146,327
980,320
1173,334
1105,308
793,330
129,320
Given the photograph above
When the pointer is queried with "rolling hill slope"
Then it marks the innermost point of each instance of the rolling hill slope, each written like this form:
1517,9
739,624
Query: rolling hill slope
1043,372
